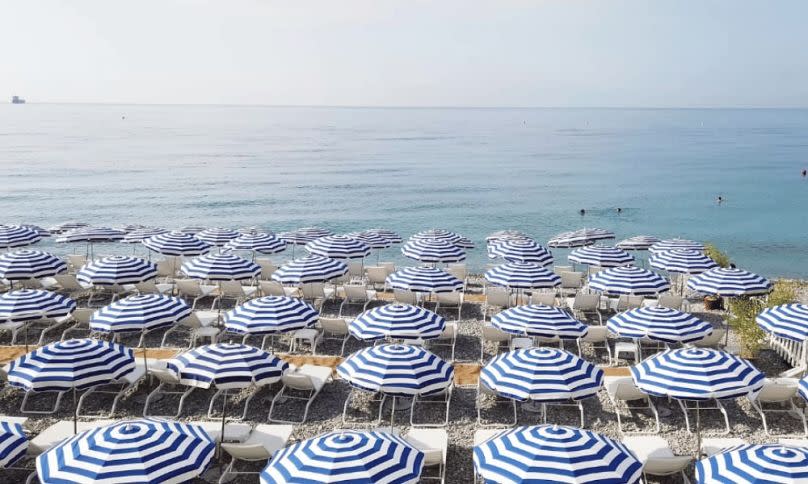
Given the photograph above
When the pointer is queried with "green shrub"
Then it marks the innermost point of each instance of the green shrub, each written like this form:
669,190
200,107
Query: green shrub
719,257
743,311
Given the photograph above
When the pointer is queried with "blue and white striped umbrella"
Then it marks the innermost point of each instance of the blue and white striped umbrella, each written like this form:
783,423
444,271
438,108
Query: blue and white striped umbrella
424,279
13,443
673,244
393,237
227,365
139,235
697,374
346,457
220,267
73,363
601,256
522,275
142,312
638,242
372,239
508,234
31,304
16,236
437,234
304,235
542,375
397,321
67,226
117,269
788,321
552,454
217,236
257,242
27,264
36,228
310,269
270,315
628,280
91,234
464,242
520,250
143,450
803,388
396,370
433,250
338,247
684,261
579,238
177,244
192,229
540,321
659,324
727,282
752,464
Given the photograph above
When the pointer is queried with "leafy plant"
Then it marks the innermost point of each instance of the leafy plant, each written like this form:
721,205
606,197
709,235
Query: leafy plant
719,257
743,312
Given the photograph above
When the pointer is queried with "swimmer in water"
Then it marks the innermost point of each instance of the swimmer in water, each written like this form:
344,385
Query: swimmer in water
804,173
582,211
719,199
619,210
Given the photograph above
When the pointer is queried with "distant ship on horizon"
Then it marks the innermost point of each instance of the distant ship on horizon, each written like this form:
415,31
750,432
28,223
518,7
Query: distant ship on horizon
17,100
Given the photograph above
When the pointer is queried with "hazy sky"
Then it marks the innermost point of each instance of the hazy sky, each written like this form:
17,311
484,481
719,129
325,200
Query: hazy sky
408,53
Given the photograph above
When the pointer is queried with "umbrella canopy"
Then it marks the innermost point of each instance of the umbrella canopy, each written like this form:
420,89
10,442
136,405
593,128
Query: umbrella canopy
67,226
338,247
142,312
192,229
541,374
31,304
270,315
258,242
36,228
659,324
788,321
393,237
310,269
433,250
347,457
537,320
464,242
673,244
372,239
396,370
579,238
726,282
17,236
638,242
176,244
220,267
683,261
27,264
139,235
552,454
424,279
520,250
227,365
73,363
397,321
117,269
748,464
437,234
131,227
508,234
217,236
142,451
628,280
304,235
697,374
91,234
601,256
522,275
13,443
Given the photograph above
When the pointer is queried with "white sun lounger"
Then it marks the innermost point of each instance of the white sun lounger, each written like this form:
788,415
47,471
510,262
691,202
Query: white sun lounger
169,385
261,445
434,443
623,389
657,457
119,389
308,380
58,432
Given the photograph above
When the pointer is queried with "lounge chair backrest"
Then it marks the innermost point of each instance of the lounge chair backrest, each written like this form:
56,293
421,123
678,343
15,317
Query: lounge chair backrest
596,334
165,268
779,390
497,297
271,288
147,287
232,289
449,331
626,302
354,292
450,297
76,261
559,269
356,269
572,280
667,465
164,375
391,267
82,315
376,274
492,333
546,298
298,381
460,271
188,287
626,390
406,297
334,325
192,321
712,339
30,283
267,268
68,282
313,290
247,452
670,301
586,302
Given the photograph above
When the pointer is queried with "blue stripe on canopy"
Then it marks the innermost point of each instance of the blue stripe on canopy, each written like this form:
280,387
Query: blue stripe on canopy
397,321
424,279
27,264
220,267
217,236
628,280
539,321
270,315
601,256
683,261
13,443
522,275
520,250
17,236
259,242
788,321
141,312
117,269
727,282
227,365
763,463
659,324
338,247
177,243
32,304
310,269
433,250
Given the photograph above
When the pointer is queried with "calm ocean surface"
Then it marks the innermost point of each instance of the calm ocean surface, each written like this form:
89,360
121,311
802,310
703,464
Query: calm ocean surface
469,170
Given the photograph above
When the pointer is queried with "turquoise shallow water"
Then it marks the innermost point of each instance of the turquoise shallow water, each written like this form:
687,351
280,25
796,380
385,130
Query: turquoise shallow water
470,170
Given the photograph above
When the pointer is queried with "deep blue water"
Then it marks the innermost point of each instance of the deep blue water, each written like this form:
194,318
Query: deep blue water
470,170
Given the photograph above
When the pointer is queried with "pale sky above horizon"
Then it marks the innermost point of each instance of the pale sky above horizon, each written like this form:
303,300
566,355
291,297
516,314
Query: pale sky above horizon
632,53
